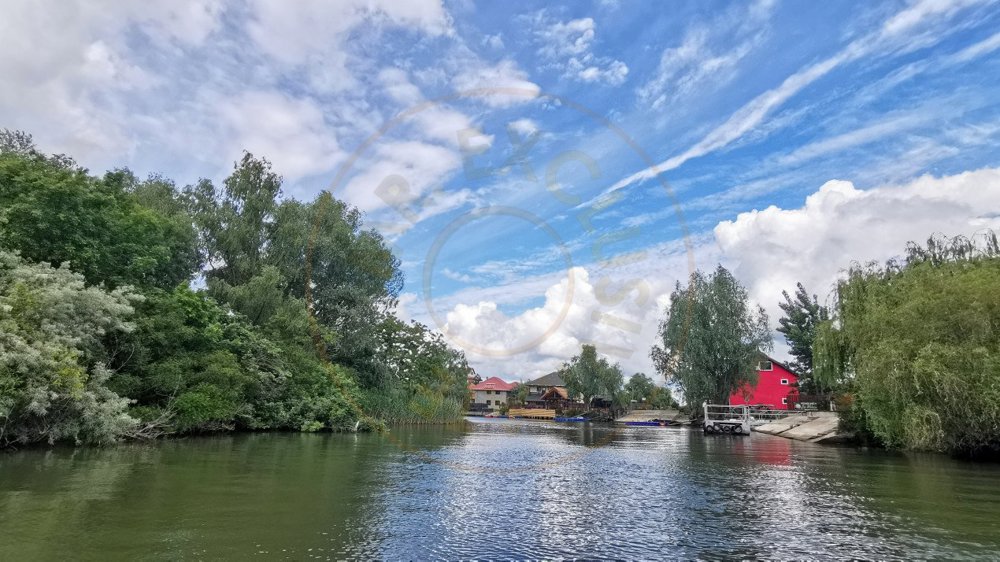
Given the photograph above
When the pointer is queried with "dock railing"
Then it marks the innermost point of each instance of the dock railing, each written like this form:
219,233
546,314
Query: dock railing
760,417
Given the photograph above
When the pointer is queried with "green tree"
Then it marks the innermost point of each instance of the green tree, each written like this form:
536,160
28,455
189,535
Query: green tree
237,221
317,254
294,330
639,387
710,338
354,279
520,395
428,378
642,389
54,212
53,370
798,324
193,365
802,315
660,398
917,346
588,375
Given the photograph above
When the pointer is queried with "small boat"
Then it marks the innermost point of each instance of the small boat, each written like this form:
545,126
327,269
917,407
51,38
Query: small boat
572,419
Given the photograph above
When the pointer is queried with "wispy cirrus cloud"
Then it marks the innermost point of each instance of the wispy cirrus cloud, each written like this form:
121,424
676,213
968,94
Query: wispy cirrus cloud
708,55
891,36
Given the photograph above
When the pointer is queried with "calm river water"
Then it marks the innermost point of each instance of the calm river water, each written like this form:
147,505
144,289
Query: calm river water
494,489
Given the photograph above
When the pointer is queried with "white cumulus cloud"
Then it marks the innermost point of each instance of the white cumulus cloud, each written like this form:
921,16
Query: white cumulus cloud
772,249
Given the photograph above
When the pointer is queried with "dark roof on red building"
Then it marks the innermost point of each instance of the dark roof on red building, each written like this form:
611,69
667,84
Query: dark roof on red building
779,363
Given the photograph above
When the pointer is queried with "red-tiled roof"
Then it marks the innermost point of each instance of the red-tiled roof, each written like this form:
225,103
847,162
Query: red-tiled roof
494,383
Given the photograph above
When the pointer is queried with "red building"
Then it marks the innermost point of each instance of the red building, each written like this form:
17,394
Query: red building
776,387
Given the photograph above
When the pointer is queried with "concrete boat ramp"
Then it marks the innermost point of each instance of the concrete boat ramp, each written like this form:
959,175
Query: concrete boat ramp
814,427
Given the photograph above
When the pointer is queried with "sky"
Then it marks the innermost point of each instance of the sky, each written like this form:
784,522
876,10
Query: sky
546,172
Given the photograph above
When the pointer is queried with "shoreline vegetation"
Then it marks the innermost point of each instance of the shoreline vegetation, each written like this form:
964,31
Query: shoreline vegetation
136,309
104,335
908,351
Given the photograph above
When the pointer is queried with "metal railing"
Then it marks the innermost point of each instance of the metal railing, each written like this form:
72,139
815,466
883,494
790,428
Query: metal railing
760,417
723,418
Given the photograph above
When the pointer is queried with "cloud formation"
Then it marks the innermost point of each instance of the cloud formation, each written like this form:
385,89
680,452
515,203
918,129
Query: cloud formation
568,46
774,248
768,250
900,32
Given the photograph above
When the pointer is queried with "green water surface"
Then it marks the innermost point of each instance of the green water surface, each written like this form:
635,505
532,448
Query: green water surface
493,489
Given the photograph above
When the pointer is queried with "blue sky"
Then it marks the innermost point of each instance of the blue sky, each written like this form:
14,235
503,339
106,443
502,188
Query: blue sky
562,163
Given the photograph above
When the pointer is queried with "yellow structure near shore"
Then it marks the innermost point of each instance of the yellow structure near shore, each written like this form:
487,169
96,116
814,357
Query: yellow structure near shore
532,413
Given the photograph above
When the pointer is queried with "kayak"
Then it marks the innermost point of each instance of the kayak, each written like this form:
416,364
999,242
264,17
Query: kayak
573,419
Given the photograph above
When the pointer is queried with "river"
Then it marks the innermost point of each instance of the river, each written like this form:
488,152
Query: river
493,489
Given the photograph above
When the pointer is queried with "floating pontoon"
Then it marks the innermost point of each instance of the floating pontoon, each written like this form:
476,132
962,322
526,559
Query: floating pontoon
726,419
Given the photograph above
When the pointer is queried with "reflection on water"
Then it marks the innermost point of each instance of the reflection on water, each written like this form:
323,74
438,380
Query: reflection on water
494,489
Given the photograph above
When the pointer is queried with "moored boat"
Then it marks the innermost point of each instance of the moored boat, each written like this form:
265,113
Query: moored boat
652,423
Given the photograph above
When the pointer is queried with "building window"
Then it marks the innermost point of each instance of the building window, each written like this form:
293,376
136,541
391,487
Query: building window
765,366
784,381
487,402
784,400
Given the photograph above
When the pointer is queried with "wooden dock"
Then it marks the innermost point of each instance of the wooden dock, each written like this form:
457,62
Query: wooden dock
532,413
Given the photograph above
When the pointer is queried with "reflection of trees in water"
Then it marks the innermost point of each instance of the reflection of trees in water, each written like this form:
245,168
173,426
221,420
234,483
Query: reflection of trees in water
226,496
928,498
589,434
422,438
55,494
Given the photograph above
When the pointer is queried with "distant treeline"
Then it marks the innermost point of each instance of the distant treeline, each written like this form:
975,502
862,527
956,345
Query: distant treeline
102,336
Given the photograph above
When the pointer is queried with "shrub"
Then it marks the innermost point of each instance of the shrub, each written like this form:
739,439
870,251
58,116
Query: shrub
52,373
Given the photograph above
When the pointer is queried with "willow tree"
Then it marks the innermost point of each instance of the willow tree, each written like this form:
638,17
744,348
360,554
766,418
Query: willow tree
916,344
710,338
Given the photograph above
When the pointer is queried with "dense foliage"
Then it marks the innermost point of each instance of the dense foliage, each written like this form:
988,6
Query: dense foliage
293,329
53,373
588,375
710,338
916,347
644,391
52,211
